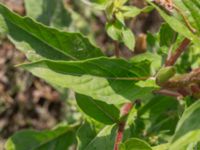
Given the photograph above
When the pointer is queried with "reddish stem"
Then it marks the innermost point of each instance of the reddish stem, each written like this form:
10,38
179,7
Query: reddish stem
173,58
126,108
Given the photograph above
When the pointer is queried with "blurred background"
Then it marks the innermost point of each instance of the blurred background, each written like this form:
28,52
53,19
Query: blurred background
29,102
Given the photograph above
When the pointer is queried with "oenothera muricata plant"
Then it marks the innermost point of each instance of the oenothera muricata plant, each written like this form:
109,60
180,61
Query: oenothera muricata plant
147,102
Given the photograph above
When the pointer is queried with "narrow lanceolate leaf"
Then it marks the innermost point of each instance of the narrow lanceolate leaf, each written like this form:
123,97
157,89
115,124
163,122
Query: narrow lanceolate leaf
48,12
98,110
111,80
194,8
188,128
37,40
103,140
60,138
135,144
176,24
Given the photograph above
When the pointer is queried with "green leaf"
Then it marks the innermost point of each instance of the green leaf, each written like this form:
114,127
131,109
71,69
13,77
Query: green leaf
38,41
155,59
99,4
119,32
104,140
131,11
167,35
160,116
164,74
48,12
60,138
194,8
85,134
135,144
113,81
188,128
100,111
161,147
128,38
176,25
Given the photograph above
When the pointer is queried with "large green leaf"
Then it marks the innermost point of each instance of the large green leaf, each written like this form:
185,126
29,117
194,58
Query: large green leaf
107,79
59,138
34,38
48,12
135,144
176,24
188,128
103,140
100,111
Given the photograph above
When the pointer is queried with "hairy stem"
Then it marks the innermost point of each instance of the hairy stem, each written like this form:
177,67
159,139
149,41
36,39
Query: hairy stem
126,108
173,58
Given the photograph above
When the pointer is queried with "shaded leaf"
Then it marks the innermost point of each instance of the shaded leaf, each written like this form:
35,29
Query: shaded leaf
85,134
104,139
100,111
60,138
188,128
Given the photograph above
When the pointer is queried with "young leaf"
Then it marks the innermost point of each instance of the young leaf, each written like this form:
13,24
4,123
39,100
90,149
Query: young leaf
119,32
44,42
100,111
60,138
110,80
188,128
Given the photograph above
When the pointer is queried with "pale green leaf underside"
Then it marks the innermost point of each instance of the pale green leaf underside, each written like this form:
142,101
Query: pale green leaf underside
34,38
110,80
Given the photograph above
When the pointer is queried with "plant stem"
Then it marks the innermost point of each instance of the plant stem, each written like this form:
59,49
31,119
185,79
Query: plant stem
126,108
171,93
116,49
173,58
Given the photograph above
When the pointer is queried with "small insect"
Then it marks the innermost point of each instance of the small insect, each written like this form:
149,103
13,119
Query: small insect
167,4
